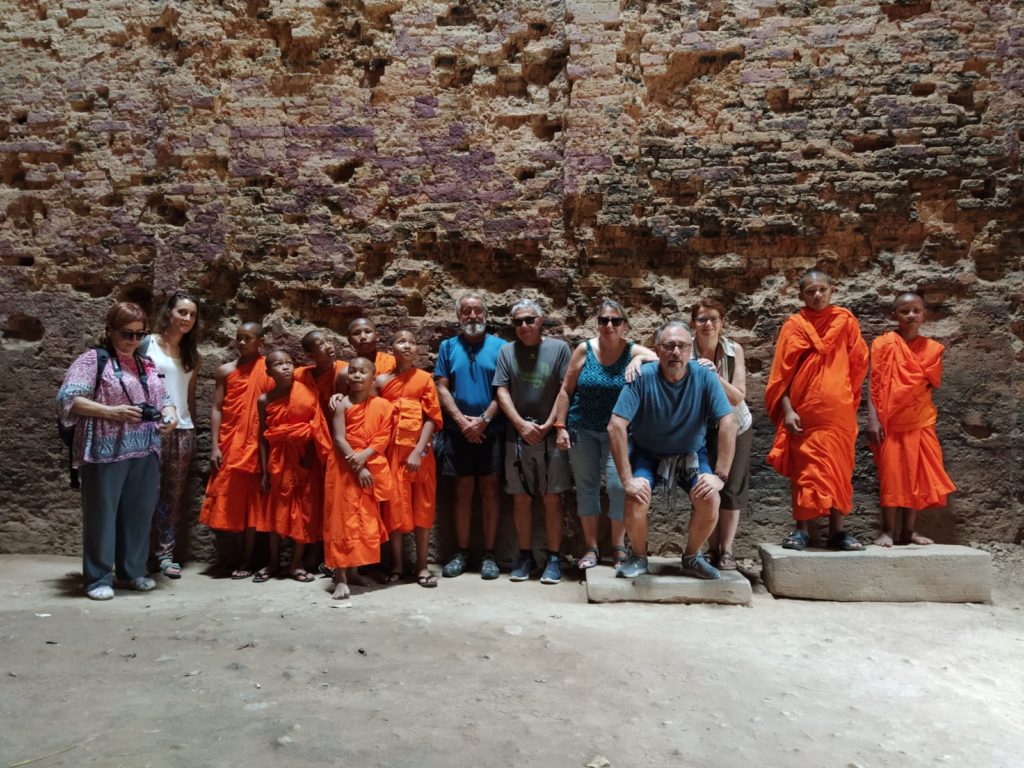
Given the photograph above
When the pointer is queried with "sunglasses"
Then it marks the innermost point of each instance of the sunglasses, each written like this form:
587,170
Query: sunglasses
615,321
133,335
703,320
521,321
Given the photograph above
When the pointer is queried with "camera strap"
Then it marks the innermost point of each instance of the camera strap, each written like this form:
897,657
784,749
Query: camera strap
140,369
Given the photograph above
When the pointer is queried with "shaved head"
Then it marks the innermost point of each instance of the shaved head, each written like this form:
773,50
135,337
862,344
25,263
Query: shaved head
254,328
906,297
814,274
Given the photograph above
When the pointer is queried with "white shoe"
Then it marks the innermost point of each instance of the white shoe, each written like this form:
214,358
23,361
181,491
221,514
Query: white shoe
101,592
142,584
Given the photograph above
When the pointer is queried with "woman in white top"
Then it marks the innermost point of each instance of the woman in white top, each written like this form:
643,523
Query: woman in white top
724,356
174,350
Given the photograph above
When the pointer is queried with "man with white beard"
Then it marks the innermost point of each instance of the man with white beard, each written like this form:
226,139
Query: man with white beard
473,434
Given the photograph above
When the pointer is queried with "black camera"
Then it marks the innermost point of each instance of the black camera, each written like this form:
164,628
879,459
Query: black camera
150,412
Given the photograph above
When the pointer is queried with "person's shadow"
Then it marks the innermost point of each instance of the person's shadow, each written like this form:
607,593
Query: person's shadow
68,585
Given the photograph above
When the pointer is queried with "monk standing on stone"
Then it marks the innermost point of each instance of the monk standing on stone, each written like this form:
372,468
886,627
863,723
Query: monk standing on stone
418,416
812,396
362,335
233,496
905,368
293,451
358,478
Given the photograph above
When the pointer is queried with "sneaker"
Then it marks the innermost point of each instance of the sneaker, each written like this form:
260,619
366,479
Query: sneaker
102,592
553,570
633,567
525,565
699,568
142,584
456,566
489,567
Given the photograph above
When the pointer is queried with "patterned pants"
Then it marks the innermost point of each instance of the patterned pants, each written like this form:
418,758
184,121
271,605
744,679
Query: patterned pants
176,452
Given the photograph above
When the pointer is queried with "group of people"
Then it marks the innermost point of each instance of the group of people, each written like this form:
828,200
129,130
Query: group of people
343,457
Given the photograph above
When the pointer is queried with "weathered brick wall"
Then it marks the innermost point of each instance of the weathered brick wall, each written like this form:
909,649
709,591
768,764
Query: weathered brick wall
304,162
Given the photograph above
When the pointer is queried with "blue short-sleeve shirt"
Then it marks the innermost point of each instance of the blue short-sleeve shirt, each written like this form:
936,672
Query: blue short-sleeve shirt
469,369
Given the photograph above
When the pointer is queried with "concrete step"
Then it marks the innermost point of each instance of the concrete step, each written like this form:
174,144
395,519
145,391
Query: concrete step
939,573
664,585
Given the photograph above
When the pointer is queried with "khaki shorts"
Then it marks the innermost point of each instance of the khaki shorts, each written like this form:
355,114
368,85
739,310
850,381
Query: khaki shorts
543,467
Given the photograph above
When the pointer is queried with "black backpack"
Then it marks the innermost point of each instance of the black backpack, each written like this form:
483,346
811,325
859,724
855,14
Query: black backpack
67,434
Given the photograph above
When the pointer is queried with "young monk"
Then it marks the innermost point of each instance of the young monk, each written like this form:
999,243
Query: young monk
905,368
362,335
418,416
233,497
358,478
812,395
293,450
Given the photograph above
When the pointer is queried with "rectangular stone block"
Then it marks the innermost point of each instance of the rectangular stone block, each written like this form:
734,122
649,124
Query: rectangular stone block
664,585
940,573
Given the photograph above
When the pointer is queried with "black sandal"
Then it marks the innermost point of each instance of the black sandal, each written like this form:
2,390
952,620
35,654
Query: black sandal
842,540
797,540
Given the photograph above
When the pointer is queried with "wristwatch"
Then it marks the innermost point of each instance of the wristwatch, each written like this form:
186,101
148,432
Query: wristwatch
486,418
721,476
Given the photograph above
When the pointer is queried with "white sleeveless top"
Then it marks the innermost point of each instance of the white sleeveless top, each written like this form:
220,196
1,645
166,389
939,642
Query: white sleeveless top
174,378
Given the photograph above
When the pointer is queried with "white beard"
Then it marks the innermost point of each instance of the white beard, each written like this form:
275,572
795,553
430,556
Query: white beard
474,329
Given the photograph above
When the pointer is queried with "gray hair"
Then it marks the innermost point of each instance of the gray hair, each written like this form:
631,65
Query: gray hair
614,306
528,305
669,325
470,295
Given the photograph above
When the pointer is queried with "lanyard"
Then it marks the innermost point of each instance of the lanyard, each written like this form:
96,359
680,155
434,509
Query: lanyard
140,368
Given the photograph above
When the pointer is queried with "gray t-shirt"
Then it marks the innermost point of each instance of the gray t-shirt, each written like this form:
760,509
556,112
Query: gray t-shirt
533,376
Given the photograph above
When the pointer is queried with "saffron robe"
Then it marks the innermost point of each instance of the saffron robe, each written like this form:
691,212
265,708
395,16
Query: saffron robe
353,527
233,497
384,363
414,396
909,459
293,505
820,361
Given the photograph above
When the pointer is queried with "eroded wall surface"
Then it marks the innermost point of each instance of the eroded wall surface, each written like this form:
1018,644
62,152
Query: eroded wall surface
306,162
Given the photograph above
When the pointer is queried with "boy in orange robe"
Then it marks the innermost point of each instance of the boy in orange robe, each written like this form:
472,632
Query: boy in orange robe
905,368
293,448
812,396
418,412
358,478
362,335
233,497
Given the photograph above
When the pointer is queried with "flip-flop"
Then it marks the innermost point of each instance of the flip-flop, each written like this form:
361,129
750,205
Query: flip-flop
262,575
303,575
429,581
393,578
241,573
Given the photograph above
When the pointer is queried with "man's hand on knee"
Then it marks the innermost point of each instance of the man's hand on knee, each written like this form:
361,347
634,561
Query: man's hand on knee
707,486
638,489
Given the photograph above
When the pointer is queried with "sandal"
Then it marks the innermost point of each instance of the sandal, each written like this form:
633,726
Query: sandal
262,575
170,569
844,541
393,578
591,557
326,570
619,556
303,575
429,581
726,562
797,540
241,573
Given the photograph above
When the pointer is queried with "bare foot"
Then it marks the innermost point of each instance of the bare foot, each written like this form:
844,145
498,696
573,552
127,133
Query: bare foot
916,538
883,540
341,591
354,577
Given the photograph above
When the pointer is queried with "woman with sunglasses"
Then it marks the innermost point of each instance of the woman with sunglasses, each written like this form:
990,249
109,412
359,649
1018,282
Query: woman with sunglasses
117,405
173,348
713,350
597,373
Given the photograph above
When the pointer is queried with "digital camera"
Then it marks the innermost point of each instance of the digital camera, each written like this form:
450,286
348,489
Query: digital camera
150,412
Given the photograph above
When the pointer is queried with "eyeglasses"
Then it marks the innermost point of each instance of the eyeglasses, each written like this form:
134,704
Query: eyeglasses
615,321
704,320
520,321
133,335
672,346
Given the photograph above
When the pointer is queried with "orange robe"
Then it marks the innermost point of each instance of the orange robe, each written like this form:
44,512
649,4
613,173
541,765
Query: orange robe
820,361
233,497
293,506
384,363
909,460
324,386
353,527
415,397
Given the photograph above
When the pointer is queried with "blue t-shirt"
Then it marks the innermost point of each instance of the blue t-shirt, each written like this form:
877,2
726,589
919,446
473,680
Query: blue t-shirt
469,369
667,419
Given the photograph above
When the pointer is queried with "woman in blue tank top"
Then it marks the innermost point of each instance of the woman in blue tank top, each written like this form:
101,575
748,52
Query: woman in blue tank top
597,372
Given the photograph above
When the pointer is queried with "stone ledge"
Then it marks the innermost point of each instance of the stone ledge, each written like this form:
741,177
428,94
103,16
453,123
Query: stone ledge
664,585
939,573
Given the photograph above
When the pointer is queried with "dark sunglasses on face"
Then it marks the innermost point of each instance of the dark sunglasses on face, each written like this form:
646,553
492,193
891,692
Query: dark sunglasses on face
520,321
133,335
616,321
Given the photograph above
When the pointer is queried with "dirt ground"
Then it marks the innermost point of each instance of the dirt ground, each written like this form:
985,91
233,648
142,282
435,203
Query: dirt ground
207,672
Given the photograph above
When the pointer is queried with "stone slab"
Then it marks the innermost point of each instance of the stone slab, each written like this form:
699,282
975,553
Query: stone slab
664,585
939,573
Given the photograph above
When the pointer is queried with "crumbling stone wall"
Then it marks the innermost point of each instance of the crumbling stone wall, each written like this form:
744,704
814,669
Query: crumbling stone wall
307,161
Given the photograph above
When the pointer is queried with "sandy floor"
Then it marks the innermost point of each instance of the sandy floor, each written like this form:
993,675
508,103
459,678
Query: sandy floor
206,672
